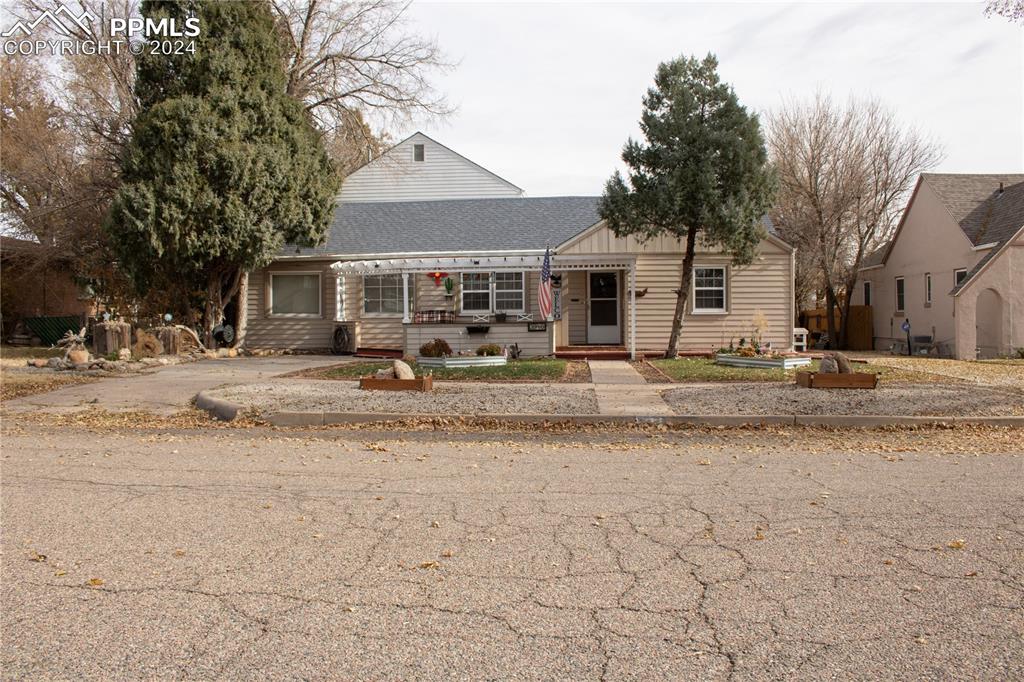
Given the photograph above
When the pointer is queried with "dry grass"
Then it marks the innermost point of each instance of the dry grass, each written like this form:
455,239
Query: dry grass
15,384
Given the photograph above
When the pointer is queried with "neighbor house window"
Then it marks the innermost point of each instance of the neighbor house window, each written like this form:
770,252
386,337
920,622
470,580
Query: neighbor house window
867,293
476,292
900,295
509,292
928,288
417,152
295,294
709,290
959,276
382,294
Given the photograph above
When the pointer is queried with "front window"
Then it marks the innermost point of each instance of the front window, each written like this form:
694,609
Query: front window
709,290
382,294
509,293
900,295
295,294
959,276
476,292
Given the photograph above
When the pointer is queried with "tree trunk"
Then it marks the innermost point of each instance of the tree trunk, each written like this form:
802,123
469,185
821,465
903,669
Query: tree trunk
243,312
213,310
844,317
682,294
830,315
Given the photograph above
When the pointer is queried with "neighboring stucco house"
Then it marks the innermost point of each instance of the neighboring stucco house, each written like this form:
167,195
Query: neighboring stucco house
421,214
954,269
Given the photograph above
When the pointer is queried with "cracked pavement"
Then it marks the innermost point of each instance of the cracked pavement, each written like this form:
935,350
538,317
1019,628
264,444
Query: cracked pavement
254,554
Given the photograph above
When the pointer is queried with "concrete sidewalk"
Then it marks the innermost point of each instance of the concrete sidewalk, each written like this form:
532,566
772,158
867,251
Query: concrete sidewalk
622,391
166,390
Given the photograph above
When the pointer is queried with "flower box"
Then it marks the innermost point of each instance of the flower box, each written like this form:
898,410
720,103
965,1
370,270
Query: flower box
464,361
853,380
761,362
418,384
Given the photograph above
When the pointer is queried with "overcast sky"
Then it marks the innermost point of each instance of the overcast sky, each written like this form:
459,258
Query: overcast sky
548,93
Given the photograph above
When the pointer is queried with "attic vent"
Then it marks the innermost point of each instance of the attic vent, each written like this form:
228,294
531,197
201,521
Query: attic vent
417,152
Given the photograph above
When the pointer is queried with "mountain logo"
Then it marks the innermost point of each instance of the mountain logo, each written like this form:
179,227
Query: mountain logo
55,21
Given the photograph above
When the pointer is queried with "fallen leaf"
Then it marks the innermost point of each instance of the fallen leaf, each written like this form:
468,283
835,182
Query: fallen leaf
956,544
447,554
430,564
704,462
179,552
435,524
37,557
60,573
759,535
95,582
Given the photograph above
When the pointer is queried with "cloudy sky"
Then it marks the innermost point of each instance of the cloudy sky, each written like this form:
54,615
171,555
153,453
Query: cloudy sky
548,93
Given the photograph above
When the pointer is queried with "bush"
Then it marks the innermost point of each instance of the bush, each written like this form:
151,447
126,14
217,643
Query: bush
437,348
489,349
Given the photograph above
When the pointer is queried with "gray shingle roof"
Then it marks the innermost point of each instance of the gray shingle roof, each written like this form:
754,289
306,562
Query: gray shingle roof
974,201
446,226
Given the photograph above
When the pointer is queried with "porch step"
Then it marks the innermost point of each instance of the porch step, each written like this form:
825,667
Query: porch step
379,353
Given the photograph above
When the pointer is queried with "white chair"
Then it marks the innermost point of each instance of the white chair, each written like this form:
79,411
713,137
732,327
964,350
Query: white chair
800,339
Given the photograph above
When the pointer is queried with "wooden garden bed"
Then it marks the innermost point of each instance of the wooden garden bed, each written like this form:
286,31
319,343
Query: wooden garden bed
418,384
854,380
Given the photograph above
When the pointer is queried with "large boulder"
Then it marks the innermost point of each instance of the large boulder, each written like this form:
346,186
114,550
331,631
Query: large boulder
828,365
402,370
843,363
386,373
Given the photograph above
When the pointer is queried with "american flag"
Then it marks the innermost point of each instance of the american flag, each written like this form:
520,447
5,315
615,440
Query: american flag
545,299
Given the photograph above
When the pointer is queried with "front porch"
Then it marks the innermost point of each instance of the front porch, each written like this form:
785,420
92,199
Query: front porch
594,304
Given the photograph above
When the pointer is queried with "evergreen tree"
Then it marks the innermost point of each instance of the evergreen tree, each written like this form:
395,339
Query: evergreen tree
701,171
223,166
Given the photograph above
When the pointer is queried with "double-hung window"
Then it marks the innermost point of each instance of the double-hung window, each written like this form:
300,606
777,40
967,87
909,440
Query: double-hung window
382,294
709,285
900,295
509,292
476,292
295,294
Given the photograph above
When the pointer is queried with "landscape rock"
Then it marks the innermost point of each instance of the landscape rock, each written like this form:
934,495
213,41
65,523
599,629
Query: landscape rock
55,363
828,365
124,354
843,363
402,370
38,362
386,373
147,346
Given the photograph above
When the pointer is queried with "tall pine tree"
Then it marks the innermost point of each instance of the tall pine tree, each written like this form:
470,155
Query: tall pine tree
701,172
223,167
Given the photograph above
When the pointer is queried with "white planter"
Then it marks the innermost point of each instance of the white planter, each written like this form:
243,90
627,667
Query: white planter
464,361
762,363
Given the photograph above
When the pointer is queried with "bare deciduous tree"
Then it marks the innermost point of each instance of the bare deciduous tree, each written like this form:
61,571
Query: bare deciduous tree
1011,9
351,59
845,173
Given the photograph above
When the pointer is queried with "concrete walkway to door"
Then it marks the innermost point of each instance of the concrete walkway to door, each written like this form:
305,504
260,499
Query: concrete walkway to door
621,390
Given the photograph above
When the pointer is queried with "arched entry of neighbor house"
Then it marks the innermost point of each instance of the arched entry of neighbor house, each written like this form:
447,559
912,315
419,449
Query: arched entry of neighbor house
989,323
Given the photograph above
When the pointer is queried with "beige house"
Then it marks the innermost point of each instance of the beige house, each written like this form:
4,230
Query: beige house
422,218
954,270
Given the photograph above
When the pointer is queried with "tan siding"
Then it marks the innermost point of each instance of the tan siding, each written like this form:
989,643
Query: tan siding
302,333
601,240
442,174
763,285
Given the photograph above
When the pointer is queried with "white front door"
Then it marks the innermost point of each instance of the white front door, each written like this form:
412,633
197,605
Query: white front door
603,307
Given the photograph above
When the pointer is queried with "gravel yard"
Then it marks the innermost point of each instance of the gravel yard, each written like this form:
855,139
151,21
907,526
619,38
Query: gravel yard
905,399
446,398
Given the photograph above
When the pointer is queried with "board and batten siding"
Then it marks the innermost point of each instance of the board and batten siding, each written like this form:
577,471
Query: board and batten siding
766,285
443,174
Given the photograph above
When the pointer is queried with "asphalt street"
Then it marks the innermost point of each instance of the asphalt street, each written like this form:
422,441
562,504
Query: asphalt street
249,554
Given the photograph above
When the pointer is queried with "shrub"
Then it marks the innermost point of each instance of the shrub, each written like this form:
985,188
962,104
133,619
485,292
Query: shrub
489,349
437,348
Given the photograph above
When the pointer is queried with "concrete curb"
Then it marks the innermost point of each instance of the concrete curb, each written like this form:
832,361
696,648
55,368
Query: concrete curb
221,409
834,421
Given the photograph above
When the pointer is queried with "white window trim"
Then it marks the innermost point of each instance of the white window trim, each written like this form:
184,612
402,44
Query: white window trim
896,295
927,288
955,273
463,291
362,293
694,310
319,292
494,294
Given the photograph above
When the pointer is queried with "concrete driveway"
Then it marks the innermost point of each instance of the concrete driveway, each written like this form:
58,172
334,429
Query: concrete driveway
723,555
167,390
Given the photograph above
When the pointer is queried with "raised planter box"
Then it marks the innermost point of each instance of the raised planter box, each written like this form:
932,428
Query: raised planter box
762,363
419,384
819,380
464,361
